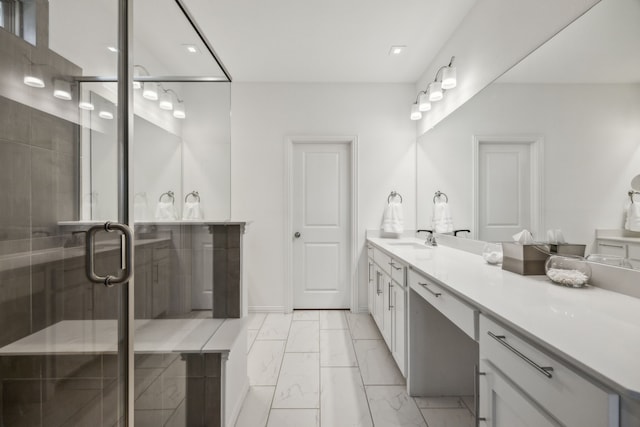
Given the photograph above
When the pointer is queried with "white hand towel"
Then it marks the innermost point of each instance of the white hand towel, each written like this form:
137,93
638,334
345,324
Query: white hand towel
192,211
633,217
165,211
393,219
442,222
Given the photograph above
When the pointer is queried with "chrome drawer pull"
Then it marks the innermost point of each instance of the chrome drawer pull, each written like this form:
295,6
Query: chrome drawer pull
390,306
609,245
394,266
436,294
544,370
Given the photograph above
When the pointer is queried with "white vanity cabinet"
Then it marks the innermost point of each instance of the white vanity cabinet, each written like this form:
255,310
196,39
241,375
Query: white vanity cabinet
388,301
619,247
519,385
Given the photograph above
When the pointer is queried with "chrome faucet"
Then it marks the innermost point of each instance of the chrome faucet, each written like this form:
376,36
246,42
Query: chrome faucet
431,239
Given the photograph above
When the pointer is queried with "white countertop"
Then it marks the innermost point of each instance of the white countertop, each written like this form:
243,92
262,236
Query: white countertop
151,336
595,330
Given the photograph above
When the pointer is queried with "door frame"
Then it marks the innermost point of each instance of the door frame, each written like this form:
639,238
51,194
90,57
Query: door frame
536,151
289,143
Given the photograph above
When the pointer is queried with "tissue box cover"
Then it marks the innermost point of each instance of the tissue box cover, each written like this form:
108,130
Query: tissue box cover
567,249
524,259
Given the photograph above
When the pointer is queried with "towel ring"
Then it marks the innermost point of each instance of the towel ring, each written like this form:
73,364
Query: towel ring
631,194
195,195
440,194
170,195
394,194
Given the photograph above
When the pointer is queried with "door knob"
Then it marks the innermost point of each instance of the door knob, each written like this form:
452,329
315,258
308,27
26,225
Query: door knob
297,235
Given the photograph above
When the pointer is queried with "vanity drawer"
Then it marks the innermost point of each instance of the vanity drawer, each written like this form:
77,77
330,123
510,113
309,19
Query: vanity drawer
398,271
383,260
563,393
611,247
458,312
633,251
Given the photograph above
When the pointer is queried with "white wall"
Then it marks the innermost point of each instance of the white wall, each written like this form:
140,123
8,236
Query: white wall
592,151
495,35
206,147
264,114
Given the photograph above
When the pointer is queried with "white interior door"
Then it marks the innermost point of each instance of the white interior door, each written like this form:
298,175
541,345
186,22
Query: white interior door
321,209
504,189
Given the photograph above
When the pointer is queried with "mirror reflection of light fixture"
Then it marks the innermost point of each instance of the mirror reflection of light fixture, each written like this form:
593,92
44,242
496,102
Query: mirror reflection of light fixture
415,112
150,91
62,89
166,102
423,102
179,111
33,77
86,105
435,90
105,112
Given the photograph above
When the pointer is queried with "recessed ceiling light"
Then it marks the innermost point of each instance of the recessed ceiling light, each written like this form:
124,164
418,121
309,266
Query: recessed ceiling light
396,50
112,49
191,48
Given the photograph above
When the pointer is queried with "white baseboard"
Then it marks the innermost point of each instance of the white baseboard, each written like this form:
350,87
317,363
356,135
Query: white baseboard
266,309
364,309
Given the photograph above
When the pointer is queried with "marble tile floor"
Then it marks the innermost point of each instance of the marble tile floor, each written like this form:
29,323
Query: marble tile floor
331,368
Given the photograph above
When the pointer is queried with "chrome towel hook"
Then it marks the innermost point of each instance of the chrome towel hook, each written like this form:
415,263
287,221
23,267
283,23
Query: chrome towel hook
392,195
170,195
195,195
440,194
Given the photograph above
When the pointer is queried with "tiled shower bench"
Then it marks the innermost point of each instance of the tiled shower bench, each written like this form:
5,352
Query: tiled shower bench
189,372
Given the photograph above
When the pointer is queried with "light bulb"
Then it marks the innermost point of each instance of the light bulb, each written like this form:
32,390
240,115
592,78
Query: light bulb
85,105
449,78
150,91
62,89
415,112
179,111
166,103
423,102
435,91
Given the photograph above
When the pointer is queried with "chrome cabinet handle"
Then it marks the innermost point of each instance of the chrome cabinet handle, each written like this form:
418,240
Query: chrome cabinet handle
476,394
544,370
394,266
370,271
425,285
378,291
126,247
609,245
390,286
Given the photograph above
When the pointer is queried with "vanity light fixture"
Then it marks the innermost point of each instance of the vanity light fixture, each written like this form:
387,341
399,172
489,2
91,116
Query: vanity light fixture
415,112
445,79
166,102
33,77
105,114
179,111
150,91
62,89
86,105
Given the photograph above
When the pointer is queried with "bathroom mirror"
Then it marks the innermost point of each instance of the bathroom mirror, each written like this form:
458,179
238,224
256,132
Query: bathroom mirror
169,154
573,107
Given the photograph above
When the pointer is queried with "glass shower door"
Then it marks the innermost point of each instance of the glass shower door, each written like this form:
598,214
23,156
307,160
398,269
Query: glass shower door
65,351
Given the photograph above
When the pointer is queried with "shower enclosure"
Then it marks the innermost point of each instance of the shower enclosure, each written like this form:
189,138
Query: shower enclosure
104,106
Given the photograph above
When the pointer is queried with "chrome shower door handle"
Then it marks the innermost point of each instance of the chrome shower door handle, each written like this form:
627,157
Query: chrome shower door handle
126,247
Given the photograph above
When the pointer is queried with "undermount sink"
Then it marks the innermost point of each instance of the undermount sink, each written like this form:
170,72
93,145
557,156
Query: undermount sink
409,245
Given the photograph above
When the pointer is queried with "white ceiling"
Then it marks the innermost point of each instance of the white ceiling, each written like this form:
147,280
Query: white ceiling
327,40
602,46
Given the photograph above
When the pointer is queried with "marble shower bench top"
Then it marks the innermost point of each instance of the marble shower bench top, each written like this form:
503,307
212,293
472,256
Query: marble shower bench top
70,337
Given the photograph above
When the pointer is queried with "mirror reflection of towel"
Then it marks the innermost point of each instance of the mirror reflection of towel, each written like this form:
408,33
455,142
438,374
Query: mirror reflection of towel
192,211
393,218
165,211
442,222
633,217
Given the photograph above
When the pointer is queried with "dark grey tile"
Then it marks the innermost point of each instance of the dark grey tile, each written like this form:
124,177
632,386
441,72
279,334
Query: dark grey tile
15,304
41,129
72,366
20,367
65,400
21,403
43,193
233,236
152,418
67,191
14,121
15,180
